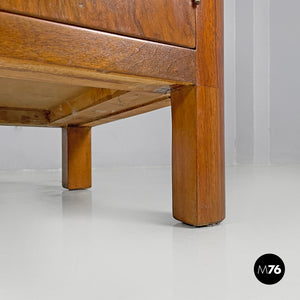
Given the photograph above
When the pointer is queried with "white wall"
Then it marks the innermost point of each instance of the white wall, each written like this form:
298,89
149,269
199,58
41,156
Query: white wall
267,79
252,109
230,80
285,81
262,42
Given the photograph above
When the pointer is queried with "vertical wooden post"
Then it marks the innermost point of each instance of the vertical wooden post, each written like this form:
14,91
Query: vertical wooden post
76,158
198,128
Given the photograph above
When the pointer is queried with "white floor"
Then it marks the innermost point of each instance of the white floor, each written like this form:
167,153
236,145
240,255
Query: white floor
119,240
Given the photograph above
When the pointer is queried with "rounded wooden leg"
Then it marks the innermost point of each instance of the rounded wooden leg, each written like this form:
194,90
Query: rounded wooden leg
76,158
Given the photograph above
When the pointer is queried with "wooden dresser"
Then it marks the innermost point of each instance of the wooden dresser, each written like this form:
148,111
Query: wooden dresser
76,64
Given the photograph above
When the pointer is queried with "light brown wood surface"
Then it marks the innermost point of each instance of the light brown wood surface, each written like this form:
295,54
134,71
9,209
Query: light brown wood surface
88,106
161,102
198,128
170,21
23,117
100,109
76,158
36,95
198,177
67,69
210,43
39,73
79,108
61,75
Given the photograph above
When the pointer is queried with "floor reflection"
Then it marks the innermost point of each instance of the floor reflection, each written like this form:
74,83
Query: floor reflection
199,261
77,203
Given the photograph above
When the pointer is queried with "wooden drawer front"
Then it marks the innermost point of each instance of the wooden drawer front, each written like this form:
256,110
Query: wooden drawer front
169,21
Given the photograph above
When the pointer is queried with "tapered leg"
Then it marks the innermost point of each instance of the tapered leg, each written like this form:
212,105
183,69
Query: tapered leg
198,155
76,158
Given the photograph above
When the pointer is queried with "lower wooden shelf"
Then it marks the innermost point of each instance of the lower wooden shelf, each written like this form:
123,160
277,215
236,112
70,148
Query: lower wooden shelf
32,103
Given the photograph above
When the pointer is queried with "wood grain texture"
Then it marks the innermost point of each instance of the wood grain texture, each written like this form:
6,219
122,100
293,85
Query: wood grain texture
119,103
198,165
91,106
210,43
49,73
198,128
76,158
184,155
23,117
76,108
28,39
210,156
162,102
36,95
170,21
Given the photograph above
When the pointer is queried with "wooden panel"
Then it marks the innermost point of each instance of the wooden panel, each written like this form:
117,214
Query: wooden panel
37,118
39,72
35,104
23,117
76,108
35,95
99,108
76,158
171,21
133,111
47,43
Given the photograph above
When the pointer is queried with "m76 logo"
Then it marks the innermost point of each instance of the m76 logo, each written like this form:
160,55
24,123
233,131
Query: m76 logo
269,269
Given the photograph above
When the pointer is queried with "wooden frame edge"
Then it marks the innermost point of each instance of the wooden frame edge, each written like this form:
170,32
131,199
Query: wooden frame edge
51,43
